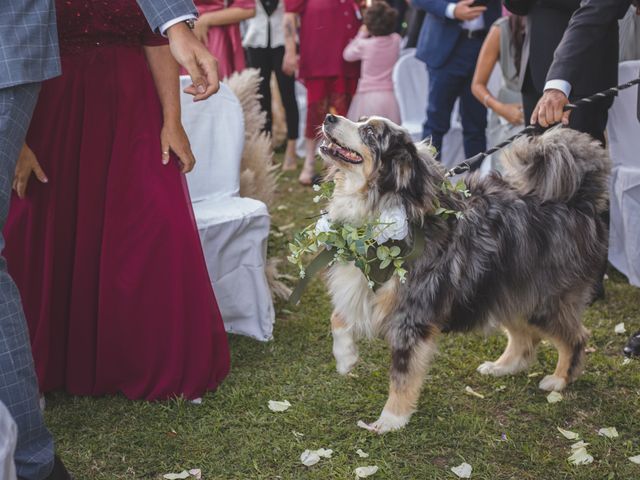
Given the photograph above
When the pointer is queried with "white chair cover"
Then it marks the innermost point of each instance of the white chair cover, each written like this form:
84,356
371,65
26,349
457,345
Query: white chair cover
623,130
411,86
301,98
233,230
8,440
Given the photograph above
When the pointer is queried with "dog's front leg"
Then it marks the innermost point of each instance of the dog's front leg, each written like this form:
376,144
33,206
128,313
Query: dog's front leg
345,350
408,369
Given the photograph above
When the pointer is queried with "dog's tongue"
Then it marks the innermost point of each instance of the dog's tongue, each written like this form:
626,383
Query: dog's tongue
344,152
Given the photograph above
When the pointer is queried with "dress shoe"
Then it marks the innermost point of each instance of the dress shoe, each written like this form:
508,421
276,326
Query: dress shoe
59,472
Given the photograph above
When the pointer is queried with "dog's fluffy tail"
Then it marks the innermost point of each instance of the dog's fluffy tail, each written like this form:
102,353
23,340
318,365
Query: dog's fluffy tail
560,165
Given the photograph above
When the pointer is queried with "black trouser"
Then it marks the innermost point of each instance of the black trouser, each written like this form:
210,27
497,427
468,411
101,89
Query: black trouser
269,60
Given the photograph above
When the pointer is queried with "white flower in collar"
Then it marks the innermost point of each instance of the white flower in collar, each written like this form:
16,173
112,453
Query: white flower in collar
393,224
323,225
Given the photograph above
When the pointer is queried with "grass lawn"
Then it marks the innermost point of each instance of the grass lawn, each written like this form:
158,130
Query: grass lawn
510,434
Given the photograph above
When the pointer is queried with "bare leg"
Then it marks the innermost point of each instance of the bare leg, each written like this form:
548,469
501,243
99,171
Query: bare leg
517,357
408,370
308,170
290,158
345,350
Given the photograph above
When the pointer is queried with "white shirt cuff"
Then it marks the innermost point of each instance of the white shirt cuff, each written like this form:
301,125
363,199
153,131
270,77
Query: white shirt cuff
449,11
166,26
562,85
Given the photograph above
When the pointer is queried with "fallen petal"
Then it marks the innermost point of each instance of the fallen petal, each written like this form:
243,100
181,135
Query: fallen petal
471,391
619,328
626,361
176,476
635,459
196,472
326,453
297,434
277,406
579,444
554,397
568,434
364,472
309,458
362,454
463,470
580,456
609,432
534,374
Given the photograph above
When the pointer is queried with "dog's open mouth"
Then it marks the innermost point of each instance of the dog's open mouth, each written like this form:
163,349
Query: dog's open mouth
333,149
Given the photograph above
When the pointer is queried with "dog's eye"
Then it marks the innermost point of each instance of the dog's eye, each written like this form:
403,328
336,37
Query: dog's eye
369,130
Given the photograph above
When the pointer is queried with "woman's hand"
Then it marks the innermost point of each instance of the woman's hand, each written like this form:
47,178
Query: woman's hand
27,164
201,30
512,112
290,63
174,138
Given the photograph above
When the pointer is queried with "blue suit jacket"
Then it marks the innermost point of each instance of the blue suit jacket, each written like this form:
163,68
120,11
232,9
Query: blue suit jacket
29,38
439,34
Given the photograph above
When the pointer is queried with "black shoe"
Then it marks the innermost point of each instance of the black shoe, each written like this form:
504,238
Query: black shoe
633,345
59,472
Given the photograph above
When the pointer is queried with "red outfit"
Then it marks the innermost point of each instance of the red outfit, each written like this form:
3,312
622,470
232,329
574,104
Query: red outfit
107,255
224,42
326,27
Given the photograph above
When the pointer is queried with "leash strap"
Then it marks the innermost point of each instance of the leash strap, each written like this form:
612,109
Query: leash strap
535,129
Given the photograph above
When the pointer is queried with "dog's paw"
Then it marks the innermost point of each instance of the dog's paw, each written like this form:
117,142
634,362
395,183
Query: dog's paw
388,422
345,363
551,383
491,368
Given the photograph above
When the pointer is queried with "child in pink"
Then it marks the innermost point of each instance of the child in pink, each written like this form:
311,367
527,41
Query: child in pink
378,47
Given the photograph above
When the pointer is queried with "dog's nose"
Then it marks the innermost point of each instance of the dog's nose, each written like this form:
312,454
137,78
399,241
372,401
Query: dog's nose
330,119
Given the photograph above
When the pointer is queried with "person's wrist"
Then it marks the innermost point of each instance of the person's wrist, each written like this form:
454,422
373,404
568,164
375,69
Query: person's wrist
178,30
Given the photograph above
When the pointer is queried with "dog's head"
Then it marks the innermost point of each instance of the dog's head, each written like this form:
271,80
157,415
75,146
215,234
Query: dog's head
380,158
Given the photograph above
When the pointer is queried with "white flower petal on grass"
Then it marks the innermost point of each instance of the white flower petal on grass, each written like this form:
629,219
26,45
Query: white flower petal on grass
361,424
196,472
176,476
278,406
626,361
297,434
309,458
463,470
471,391
635,459
619,328
534,374
568,434
554,397
364,472
362,454
609,432
501,388
580,456
579,444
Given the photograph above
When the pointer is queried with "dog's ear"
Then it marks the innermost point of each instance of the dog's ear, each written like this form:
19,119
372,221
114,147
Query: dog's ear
401,168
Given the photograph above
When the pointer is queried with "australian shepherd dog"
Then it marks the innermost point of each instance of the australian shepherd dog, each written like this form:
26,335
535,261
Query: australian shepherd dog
524,255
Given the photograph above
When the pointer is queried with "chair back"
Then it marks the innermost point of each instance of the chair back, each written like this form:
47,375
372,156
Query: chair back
411,84
623,127
216,131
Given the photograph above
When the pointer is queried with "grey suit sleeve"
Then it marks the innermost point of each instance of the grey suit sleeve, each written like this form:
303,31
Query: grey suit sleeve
587,28
159,12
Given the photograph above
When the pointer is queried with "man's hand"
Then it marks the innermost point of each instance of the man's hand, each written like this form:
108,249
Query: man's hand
197,61
26,166
549,111
464,11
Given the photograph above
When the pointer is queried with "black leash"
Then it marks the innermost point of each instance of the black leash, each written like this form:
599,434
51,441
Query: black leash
476,160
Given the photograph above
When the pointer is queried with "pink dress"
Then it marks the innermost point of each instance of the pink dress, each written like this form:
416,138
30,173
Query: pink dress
224,42
106,255
374,95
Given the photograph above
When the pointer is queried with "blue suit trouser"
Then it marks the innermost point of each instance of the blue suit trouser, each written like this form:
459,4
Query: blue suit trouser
18,383
447,83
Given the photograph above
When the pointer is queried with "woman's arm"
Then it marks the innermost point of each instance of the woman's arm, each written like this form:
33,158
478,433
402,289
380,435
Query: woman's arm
290,60
165,71
487,59
220,18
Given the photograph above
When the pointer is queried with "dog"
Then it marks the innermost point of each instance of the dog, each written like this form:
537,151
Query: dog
523,256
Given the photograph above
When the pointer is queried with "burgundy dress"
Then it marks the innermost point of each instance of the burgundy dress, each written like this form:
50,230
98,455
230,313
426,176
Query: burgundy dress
106,255
224,42
326,27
